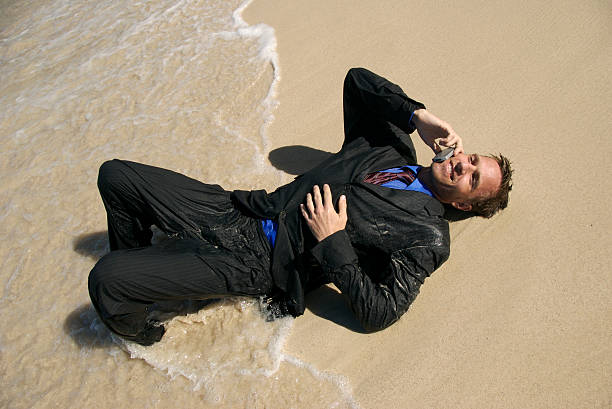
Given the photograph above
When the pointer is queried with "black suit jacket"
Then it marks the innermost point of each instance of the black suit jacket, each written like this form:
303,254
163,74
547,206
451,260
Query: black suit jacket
393,240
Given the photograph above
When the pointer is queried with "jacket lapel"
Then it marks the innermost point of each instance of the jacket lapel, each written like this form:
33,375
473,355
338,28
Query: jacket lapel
407,200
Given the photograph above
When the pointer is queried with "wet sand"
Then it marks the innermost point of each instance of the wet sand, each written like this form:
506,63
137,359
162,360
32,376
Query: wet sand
519,317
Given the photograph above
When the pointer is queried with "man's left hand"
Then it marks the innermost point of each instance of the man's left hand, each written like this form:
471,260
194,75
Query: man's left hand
320,214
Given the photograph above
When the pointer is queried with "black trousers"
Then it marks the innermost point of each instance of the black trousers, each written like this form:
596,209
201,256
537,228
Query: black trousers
213,250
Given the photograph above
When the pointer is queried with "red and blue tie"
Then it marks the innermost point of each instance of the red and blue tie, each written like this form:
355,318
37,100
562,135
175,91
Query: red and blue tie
406,175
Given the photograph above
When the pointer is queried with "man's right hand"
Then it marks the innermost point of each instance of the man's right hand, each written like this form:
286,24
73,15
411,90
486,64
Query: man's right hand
320,214
435,132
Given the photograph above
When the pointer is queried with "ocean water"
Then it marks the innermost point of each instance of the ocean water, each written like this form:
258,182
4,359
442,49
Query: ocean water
187,85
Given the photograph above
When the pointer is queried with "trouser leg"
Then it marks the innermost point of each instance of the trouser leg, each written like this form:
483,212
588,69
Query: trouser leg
216,250
137,196
126,284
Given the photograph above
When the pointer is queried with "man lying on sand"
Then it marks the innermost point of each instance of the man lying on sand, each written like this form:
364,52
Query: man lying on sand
368,219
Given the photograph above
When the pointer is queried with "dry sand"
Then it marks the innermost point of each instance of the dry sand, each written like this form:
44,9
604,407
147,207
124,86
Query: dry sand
521,314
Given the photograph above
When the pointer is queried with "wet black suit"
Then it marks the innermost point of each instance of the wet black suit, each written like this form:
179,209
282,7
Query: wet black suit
213,250
393,239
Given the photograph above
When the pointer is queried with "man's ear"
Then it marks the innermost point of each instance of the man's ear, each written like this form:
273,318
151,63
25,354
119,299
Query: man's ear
466,207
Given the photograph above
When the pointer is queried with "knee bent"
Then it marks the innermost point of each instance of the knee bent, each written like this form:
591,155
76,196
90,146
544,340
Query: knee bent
102,280
109,173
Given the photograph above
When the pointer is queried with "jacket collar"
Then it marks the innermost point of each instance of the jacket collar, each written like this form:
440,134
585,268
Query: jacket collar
407,200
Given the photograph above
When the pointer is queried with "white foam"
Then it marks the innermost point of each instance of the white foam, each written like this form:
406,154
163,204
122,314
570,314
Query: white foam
266,37
228,344
340,381
213,346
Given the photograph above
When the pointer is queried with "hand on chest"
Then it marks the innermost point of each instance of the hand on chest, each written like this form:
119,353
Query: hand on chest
388,219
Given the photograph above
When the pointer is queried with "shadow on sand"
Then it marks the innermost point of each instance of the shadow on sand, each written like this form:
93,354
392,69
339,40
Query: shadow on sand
297,159
93,245
86,330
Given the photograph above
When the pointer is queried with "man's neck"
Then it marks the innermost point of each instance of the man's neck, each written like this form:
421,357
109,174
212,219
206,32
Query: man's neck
425,177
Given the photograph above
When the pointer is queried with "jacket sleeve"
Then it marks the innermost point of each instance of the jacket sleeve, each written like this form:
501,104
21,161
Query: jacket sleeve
370,100
376,305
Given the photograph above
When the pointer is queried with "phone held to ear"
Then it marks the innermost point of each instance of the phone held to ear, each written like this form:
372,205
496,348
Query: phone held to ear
443,155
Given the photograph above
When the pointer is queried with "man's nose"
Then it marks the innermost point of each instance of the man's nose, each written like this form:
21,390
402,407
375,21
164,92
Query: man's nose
468,167
464,166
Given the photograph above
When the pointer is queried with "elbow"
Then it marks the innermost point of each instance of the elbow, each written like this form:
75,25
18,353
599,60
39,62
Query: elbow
371,330
371,326
378,317
356,72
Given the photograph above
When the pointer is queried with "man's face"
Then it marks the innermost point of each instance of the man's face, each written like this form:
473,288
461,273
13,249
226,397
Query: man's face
462,179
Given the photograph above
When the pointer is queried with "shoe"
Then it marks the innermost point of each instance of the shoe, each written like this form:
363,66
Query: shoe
152,333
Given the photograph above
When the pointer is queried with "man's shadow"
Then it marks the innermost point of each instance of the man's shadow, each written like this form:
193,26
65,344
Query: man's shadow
83,324
297,159
93,245
86,330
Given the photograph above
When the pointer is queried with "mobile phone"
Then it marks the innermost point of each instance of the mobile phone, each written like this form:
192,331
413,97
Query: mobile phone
443,155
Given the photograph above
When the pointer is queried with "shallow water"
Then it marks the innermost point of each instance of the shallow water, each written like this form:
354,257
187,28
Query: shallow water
185,85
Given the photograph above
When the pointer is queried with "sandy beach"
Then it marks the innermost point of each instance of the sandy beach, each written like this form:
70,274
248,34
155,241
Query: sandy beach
520,316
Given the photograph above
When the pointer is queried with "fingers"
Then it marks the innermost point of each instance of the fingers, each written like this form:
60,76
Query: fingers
459,146
327,196
436,133
320,214
304,212
342,206
449,140
317,197
316,203
453,140
309,204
